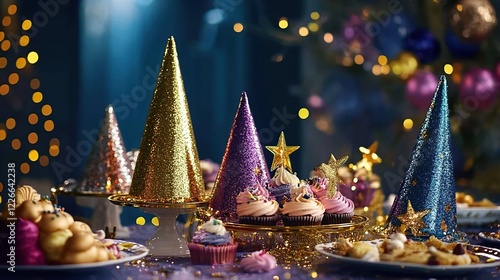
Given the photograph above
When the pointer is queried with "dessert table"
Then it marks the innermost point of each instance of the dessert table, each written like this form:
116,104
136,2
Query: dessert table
181,267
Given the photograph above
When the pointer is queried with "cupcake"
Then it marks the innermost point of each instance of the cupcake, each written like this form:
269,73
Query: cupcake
338,209
258,261
302,210
281,183
318,186
212,244
255,207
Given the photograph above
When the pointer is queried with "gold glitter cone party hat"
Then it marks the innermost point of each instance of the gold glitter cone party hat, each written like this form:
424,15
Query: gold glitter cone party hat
168,168
107,169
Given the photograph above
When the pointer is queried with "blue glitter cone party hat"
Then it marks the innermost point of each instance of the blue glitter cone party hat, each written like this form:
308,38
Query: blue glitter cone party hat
242,166
426,203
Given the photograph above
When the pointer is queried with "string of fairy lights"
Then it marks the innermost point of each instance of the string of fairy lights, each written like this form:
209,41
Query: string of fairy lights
16,61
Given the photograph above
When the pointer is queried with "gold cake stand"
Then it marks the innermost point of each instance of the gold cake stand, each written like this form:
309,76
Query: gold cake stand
166,241
294,245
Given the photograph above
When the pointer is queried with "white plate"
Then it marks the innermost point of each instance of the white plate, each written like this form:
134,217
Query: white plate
478,215
133,252
484,253
485,237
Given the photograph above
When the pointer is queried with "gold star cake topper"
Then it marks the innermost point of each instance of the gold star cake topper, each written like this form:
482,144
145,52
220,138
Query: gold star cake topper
369,158
282,153
331,173
413,220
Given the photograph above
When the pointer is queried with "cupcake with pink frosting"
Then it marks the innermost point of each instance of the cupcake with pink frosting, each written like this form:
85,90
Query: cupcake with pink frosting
256,207
338,209
302,210
258,261
318,186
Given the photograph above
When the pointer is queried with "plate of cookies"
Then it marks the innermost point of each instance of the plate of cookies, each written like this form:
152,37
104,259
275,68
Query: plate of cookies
123,252
399,254
491,237
471,211
48,238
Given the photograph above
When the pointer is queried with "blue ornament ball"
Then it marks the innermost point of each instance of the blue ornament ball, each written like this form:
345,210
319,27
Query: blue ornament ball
460,48
423,44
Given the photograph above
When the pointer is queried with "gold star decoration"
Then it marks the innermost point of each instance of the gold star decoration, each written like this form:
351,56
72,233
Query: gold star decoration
413,220
256,170
282,153
369,158
331,173
443,226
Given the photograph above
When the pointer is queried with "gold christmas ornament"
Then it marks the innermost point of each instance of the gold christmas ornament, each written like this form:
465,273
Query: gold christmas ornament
168,168
473,20
107,169
282,153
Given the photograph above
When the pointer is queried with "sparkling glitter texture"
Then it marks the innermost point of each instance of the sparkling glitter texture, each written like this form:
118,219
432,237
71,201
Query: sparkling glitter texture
107,168
168,167
428,183
242,157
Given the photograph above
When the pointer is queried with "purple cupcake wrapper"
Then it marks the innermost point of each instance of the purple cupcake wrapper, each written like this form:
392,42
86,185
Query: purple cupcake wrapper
207,254
302,220
336,218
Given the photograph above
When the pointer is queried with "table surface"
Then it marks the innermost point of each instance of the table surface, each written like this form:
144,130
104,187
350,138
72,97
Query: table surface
180,268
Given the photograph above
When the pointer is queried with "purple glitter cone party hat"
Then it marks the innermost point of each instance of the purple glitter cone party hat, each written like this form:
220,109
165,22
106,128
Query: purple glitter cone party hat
107,168
243,164
426,203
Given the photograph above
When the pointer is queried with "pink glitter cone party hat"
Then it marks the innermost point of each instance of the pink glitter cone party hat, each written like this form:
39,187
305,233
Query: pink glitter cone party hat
107,168
243,164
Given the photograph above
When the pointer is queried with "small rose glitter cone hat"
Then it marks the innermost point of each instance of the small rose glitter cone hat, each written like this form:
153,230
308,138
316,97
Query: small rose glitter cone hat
107,169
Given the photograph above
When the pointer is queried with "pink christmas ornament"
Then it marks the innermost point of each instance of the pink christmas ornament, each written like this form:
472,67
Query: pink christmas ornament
478,89
420,89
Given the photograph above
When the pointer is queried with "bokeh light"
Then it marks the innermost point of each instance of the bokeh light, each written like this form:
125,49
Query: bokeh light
33,118
315,15
32,57
303,113
328,38
13,78
408,124
33,155
3,62
283,23
16,144
303,31
12,9
26,25
37,97
46,110
25,168
3,134
24,41
54,150
44,160
448,69
238,27
32,137
10,123
48,125
35,83
4,89
21,63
